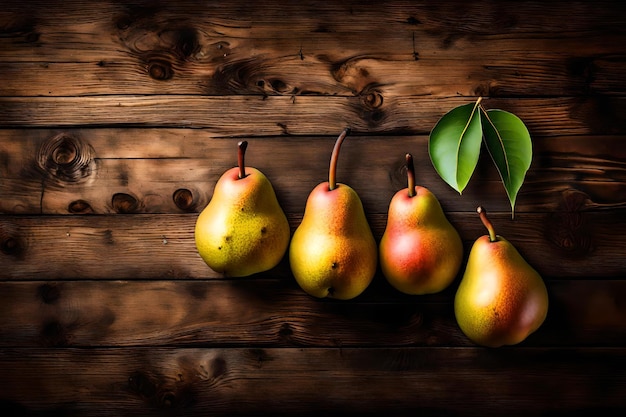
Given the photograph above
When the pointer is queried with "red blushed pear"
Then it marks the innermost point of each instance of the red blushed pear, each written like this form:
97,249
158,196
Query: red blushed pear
420,251
243,230
333,252
501,298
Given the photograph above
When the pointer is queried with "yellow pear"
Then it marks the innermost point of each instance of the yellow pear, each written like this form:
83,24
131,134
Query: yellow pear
420,251
243,230
501,299
333,252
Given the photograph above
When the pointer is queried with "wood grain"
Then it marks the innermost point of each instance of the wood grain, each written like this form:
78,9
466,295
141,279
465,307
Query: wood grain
306,115
270,74
350,381
143,48
574,245
77,171
270,312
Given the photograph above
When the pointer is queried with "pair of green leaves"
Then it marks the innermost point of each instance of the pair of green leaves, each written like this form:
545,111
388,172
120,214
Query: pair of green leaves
455,142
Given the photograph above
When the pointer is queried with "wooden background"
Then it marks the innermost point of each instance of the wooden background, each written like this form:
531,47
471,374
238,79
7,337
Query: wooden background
117,118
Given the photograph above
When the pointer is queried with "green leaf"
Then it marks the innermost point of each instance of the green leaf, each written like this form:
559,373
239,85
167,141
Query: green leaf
454,145
508,142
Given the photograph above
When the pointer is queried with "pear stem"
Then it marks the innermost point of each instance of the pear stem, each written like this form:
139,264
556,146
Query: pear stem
332,171
410,173
241,153
483,217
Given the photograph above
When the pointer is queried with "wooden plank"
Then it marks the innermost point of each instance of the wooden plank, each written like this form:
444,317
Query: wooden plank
85,170
567,244
487,17
164,30
227,116
251,381
489,73
278,313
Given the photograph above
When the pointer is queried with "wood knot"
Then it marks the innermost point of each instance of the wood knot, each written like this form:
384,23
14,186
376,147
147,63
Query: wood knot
567,228
183,198
11,246
167,399
66,158
413,21
285,331
219,367
180,397
80,207
125,203
10,242
160,69
49,293
373,118
186,42
372,99
280,86
259,356
273,86
370,106
53,333
170,47
159,393
123,22
488,89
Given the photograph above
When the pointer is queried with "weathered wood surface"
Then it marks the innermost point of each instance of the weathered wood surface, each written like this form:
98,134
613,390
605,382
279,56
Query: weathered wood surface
270,312
78,171
565,245
307,115
342,48
192,382
117,118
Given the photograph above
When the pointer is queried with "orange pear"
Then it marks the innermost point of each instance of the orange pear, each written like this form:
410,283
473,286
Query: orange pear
333,252
420,251
501,299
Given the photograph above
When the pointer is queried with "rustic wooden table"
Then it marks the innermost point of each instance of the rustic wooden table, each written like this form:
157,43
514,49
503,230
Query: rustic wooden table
117,118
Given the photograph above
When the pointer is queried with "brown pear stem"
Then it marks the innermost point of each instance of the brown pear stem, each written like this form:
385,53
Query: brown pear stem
332,171
241,153
410,173
483,217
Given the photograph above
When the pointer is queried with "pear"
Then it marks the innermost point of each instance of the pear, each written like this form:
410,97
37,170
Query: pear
333,252
243,230
501,299
420,251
